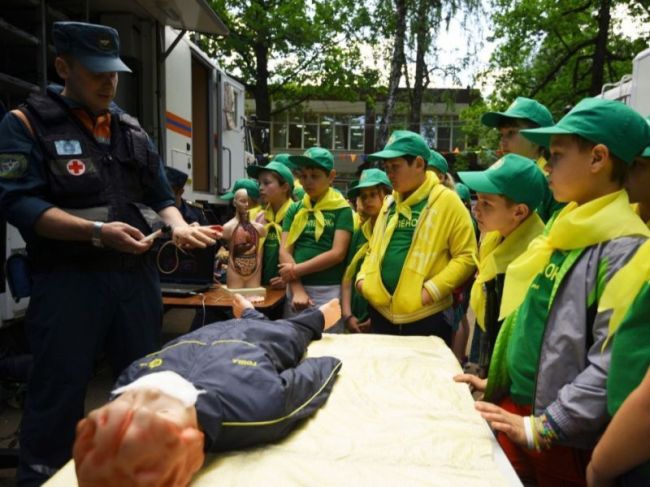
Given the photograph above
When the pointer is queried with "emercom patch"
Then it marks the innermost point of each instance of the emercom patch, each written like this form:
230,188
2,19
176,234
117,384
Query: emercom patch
13,166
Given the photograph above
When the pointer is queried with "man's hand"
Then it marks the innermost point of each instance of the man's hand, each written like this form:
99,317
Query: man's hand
475,382
501,420
123,237
426,298
191,237
239,304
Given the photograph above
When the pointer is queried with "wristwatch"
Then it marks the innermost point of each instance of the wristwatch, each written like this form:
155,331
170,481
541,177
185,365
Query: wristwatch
96,238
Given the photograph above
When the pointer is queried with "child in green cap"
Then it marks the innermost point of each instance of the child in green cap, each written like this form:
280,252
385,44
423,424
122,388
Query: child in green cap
438,164
253,190
315,236
276,187
548,371
508,193
619,455
298,192
524,113
370,191
421,249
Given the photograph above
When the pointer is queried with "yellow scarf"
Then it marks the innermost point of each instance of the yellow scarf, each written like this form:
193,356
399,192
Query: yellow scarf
404,208
623,288
352,268
274,220
496,255
637,210
332,200
576,227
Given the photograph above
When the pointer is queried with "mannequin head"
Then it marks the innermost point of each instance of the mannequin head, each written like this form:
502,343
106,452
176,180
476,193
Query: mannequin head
143,437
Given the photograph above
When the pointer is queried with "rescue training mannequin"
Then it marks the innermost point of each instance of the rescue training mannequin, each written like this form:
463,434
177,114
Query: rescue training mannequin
205,391
243,236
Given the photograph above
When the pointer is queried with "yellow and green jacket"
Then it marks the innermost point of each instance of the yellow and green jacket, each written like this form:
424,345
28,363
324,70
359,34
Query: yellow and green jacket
440,259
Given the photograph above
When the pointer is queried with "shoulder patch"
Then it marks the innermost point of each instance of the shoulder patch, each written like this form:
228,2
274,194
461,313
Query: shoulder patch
13,166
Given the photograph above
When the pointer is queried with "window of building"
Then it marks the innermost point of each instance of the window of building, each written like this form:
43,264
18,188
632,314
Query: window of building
326,131
295,130
310,132
357,125
341,132
279,131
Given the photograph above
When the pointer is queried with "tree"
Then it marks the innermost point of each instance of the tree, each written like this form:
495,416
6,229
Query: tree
560,52
279,48
396,67
416,22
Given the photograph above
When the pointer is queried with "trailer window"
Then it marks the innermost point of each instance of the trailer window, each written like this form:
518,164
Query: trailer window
200,126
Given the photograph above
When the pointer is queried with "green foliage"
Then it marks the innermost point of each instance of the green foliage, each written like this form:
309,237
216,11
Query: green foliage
546,49
479,136
298,48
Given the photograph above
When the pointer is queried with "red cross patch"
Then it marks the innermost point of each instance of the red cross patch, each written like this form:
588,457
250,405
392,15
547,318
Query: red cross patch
76,167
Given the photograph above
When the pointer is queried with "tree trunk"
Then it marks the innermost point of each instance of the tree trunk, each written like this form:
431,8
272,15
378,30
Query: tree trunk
422,39
395,72
262,133
600,52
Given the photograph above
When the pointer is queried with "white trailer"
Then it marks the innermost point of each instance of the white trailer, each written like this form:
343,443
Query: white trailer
633,89
191,108
204,120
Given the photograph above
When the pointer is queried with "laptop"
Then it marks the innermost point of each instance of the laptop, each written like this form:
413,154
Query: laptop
185,274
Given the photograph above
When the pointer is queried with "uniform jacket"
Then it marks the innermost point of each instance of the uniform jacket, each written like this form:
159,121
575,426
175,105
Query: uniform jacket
572,370
251,395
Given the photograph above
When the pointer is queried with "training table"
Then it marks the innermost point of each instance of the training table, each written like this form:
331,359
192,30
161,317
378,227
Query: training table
395,417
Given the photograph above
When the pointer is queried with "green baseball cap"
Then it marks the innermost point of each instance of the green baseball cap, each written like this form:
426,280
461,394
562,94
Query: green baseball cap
276,167
523,109
284,159
437,160
250,185
612,123
646,152
513,176
463,192
403,143
314,156
369,178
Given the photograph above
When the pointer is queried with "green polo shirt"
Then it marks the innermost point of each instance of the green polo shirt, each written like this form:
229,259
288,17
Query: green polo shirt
525,345
400,243
358,303
306,247
271,257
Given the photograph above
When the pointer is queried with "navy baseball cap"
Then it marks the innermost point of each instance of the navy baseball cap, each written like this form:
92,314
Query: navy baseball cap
96,47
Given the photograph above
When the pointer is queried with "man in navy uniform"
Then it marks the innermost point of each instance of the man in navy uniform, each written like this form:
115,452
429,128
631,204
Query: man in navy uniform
191,213
82,182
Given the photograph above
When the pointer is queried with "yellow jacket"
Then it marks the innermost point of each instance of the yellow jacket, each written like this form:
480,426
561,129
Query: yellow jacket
440,259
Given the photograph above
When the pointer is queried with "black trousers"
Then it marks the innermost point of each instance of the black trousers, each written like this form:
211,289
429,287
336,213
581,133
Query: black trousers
72,316
438,324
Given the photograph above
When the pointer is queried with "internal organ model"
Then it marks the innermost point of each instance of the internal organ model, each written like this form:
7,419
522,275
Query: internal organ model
243,236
